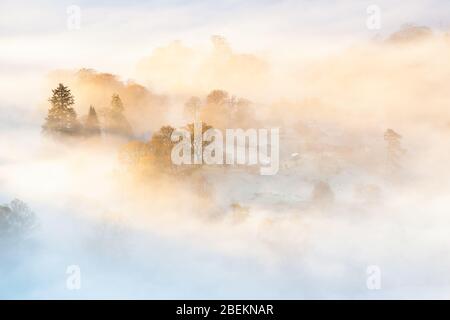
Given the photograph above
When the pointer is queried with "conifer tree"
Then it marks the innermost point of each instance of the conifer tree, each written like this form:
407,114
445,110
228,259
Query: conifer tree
61,118
92,125
117,123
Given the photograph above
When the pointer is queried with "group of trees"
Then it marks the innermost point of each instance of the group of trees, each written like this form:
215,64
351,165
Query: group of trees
220,110
323,194
155,155
152,156
62,119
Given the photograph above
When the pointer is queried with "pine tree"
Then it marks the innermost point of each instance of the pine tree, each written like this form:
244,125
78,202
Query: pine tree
92,125
117,123
61,118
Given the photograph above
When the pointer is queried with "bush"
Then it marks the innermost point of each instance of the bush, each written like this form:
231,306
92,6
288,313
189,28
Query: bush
16,220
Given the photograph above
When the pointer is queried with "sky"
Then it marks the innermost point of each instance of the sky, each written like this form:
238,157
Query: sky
113,34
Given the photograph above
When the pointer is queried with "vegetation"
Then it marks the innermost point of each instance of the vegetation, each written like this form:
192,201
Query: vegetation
92,124
220,110
394,149
16,220
62,120
115,121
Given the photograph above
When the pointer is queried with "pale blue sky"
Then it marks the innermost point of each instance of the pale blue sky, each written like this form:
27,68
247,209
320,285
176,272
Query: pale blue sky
26,16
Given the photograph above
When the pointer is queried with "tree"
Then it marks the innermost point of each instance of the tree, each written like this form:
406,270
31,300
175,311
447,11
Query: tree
135,153
217,109
217,97
161,145
116,104
394,149
192,108
196,143
138,160
409,33
16,220
92,125
116,122
224,111
61,118
144,157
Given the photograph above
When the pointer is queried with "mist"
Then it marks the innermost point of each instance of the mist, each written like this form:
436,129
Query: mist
349,195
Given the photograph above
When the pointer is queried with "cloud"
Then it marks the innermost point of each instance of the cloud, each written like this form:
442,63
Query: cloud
165,239
182,70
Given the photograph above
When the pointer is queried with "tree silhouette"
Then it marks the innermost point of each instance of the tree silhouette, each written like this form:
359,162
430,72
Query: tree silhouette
92,125
16,220
196,143
410,32
116,104
116,122
394,149
224,111
61,118
217,97
161,145
217,109
192,108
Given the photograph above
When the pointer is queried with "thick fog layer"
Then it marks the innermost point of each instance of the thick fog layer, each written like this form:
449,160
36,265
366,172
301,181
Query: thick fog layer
359,207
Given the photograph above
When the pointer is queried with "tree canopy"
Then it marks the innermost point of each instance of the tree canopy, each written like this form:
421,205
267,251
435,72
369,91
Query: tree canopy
61,118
